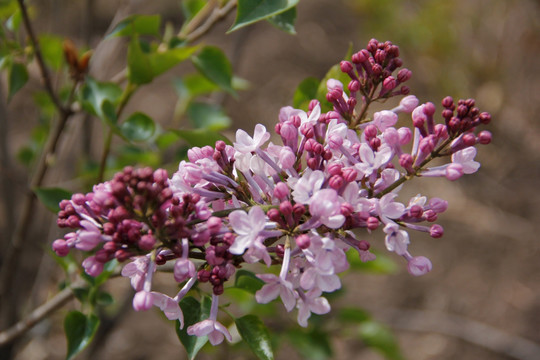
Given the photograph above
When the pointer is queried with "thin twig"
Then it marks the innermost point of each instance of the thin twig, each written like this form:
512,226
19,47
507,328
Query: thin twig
215,16
41,63
40,313
14,250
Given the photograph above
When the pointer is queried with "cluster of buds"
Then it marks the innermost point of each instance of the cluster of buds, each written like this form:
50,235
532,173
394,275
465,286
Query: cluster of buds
300,205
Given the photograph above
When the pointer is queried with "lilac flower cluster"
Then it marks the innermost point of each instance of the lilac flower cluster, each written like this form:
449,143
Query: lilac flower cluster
300,205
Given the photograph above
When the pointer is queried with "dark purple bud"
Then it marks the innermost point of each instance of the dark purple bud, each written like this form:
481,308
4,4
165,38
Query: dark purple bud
286,208
280,250
484,137
372,223
485,118
406,161
218,289
377,69
78,199
448,102
336,182
299,210
346,67
303,241
354,86
350,174
370,131
404,90
389,83
380,56
363,245
122,255
103,256
436,231
274,215
203,275
312,104
430,215
403,75
147,242
346,209
469,139
416,211
60,247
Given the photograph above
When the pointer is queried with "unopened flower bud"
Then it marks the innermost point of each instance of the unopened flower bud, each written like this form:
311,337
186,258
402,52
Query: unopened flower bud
60,247
303,241
436,231
281,190
142,301
454,171
419,265
346,67
438,205
147,242
484,137
372,223
349,174
286,208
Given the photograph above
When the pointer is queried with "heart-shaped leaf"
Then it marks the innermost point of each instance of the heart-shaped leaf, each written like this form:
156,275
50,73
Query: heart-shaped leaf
194,312
51,197
256,335
138,127
251,11
79,330
214,65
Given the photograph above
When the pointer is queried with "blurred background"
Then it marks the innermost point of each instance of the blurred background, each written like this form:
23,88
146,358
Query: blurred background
482,299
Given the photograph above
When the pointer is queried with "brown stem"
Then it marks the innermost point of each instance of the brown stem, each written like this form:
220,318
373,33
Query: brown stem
20,328
39,57
215,16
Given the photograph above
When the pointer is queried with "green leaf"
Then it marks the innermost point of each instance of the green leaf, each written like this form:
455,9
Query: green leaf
381,265
52,50
256,335
251,11
104,298
143,67
51,197
208,116
139,66
138,127
200,137
194,312
95,94
214,65
137,25
305,92
247,280
79,331
14,21
313,345
353,315
378,337
190,8
163,61
285,21
18,76
194,85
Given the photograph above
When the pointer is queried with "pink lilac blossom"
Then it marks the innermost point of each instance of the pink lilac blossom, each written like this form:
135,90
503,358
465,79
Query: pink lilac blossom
301,205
